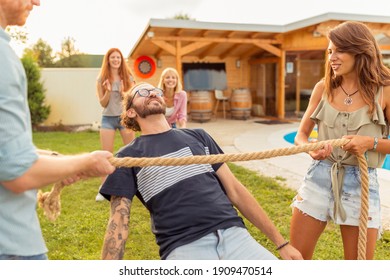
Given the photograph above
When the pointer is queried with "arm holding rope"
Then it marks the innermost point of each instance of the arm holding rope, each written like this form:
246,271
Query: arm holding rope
117,229
67,181
306,125
359,144
251,209
48,169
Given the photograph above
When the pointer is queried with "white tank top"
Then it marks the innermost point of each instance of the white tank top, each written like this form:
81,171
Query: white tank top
169,111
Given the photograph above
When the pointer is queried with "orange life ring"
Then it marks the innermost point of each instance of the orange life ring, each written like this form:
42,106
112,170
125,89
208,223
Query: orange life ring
144,67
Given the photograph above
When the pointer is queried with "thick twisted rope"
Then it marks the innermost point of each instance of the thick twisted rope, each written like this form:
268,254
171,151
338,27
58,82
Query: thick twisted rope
211,159
50,202
363,219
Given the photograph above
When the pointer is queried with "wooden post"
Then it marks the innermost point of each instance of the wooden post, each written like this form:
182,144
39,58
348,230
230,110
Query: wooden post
280,101
298,86
178,60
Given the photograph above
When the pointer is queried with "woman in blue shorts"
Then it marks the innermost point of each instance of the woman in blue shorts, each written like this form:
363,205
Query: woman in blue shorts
351,101
114,79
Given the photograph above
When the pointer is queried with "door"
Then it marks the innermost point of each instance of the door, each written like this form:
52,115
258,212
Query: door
263,80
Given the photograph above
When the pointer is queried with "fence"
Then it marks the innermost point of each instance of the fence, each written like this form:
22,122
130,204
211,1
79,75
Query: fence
71,93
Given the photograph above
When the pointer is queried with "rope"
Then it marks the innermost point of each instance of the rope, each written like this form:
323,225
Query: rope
363,219
211,159
50,202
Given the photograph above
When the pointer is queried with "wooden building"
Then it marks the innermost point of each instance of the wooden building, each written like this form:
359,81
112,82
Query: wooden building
277,64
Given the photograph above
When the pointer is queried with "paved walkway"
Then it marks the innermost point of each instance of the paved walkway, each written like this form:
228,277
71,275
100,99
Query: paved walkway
239,136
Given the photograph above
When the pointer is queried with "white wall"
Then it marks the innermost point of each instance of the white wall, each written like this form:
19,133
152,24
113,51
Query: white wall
71,93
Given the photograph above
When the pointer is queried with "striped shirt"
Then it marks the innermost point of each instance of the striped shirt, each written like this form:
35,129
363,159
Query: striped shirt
185,202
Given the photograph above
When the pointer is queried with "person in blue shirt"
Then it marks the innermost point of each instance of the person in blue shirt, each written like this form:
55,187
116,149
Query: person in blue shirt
24,168
192,207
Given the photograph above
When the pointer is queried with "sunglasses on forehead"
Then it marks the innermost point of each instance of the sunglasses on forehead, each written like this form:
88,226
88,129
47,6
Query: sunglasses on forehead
144,92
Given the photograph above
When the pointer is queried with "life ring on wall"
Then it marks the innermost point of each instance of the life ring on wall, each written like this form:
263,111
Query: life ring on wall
144,67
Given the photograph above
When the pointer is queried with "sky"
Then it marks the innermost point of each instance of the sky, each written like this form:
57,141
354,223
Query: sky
98,25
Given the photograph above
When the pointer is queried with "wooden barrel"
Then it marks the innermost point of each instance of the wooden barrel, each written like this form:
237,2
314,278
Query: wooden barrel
201,106
241,103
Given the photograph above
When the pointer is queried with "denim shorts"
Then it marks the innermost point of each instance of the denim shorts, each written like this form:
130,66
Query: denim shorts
234,243
15,257
111,122
316,196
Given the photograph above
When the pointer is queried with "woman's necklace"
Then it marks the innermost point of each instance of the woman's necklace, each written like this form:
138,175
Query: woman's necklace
348,99
168,99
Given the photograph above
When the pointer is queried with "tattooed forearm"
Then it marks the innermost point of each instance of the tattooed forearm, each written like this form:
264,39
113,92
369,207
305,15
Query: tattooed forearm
113,249
117,229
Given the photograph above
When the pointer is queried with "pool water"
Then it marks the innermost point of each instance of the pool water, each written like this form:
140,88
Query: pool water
290,138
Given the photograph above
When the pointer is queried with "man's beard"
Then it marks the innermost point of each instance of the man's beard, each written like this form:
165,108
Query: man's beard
146,110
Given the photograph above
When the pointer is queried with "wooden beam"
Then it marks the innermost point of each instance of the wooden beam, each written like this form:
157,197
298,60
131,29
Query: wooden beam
298,86
264,60
197,45
384,47
281,95
315,48
227,52
178,32
378,28
215,39
165,46
270,48
208,50
204,33
192,47
229,34
178,60
159,53
323,28
251,52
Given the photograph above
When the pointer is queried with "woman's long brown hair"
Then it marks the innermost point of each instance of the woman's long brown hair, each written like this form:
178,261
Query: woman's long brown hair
356,39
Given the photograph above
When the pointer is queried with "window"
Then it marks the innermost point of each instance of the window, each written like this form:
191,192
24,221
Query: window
204,76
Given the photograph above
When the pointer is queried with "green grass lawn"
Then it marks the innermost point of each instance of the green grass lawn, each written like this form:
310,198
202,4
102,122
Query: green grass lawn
78,232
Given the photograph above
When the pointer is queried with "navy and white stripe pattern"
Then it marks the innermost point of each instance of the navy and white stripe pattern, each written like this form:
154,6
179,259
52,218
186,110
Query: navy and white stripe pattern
154,179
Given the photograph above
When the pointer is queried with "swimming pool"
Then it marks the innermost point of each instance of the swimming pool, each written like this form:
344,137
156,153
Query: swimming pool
290,138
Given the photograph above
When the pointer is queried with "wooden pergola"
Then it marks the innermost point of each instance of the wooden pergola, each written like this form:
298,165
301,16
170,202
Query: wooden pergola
175,42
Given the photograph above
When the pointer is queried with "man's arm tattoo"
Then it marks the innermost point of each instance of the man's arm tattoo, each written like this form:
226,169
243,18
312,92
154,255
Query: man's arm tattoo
117,229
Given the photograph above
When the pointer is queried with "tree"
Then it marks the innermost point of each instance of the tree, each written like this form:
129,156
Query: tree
182,16
36,92
17,33
68,55
42,52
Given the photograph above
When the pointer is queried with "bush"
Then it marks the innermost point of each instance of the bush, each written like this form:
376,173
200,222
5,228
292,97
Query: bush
36,92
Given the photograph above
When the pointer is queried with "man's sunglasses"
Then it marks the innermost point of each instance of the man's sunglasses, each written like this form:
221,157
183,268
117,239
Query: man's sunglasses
144,92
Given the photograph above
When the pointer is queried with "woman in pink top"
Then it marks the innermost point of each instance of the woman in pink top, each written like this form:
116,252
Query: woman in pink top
175,98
